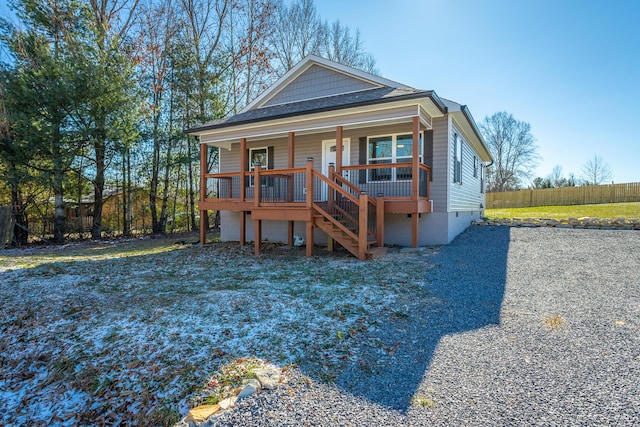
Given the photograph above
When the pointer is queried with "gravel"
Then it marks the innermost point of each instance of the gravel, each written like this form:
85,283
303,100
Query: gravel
510,326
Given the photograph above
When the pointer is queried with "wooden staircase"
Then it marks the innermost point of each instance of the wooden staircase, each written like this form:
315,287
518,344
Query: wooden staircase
349,240
344,216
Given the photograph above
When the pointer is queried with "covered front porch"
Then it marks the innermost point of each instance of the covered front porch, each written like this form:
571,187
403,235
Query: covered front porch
346,201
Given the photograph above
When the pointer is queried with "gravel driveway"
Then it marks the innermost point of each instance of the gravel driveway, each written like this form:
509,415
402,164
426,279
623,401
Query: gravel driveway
512,326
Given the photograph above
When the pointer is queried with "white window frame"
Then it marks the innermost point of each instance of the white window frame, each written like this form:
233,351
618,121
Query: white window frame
394,156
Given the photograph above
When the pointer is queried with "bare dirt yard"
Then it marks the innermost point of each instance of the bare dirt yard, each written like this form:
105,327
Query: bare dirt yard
503,326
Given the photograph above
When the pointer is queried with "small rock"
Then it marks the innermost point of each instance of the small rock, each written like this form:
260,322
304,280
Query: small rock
249,389
201,413
269,376
228,402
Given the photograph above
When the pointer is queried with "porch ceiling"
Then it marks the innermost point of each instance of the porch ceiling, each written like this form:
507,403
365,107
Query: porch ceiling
348,118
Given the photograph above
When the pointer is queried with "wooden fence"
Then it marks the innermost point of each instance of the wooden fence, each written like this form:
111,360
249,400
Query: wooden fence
583,195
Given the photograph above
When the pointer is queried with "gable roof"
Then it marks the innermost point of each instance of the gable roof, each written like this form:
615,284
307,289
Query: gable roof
345,89
306,66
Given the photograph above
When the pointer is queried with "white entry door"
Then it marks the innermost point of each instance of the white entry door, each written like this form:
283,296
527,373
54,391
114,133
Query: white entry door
329,153
329,156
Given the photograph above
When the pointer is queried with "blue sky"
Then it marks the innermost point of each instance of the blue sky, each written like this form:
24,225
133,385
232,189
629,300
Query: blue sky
569,68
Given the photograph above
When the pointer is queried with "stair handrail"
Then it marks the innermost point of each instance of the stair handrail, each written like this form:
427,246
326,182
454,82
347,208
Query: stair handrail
335,186
337,177
344,193
362,202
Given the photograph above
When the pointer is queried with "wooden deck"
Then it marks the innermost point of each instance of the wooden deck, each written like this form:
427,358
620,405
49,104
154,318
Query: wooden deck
340,204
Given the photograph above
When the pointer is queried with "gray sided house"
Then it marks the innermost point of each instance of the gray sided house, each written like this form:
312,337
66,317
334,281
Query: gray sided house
411,170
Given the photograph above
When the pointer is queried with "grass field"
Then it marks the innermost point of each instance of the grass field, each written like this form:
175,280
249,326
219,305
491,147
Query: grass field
607,210
128,332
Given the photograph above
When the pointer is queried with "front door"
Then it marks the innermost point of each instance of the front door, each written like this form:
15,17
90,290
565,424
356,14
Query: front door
329,153
329,156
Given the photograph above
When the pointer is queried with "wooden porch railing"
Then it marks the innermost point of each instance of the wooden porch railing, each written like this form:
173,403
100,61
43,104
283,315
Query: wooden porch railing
391,180
282,186
349,206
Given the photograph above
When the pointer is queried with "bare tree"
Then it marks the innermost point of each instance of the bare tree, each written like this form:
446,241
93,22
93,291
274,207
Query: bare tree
250,26
596,171
513,149
298,30
341,45
205,29
556,178
157,29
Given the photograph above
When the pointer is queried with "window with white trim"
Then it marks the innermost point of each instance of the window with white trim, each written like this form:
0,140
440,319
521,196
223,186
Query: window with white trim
391,149
457,166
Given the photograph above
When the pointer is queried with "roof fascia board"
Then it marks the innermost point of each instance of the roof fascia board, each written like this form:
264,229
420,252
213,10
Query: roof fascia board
360,74
279,84
306,63
466,125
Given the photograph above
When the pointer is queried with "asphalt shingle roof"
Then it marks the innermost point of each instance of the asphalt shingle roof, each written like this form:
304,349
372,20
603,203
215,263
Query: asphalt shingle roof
311,106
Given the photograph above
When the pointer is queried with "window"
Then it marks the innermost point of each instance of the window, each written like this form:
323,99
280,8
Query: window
475,167
457,166
391,149
482,178
258,156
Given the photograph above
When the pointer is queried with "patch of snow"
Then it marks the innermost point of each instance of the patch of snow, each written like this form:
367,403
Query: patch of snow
123,336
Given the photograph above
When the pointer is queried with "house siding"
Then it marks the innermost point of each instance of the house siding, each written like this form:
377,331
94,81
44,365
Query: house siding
306,146
465,196
440,170
317,82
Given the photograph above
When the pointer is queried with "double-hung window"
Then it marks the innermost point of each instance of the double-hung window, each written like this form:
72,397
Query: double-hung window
457,166
391,149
